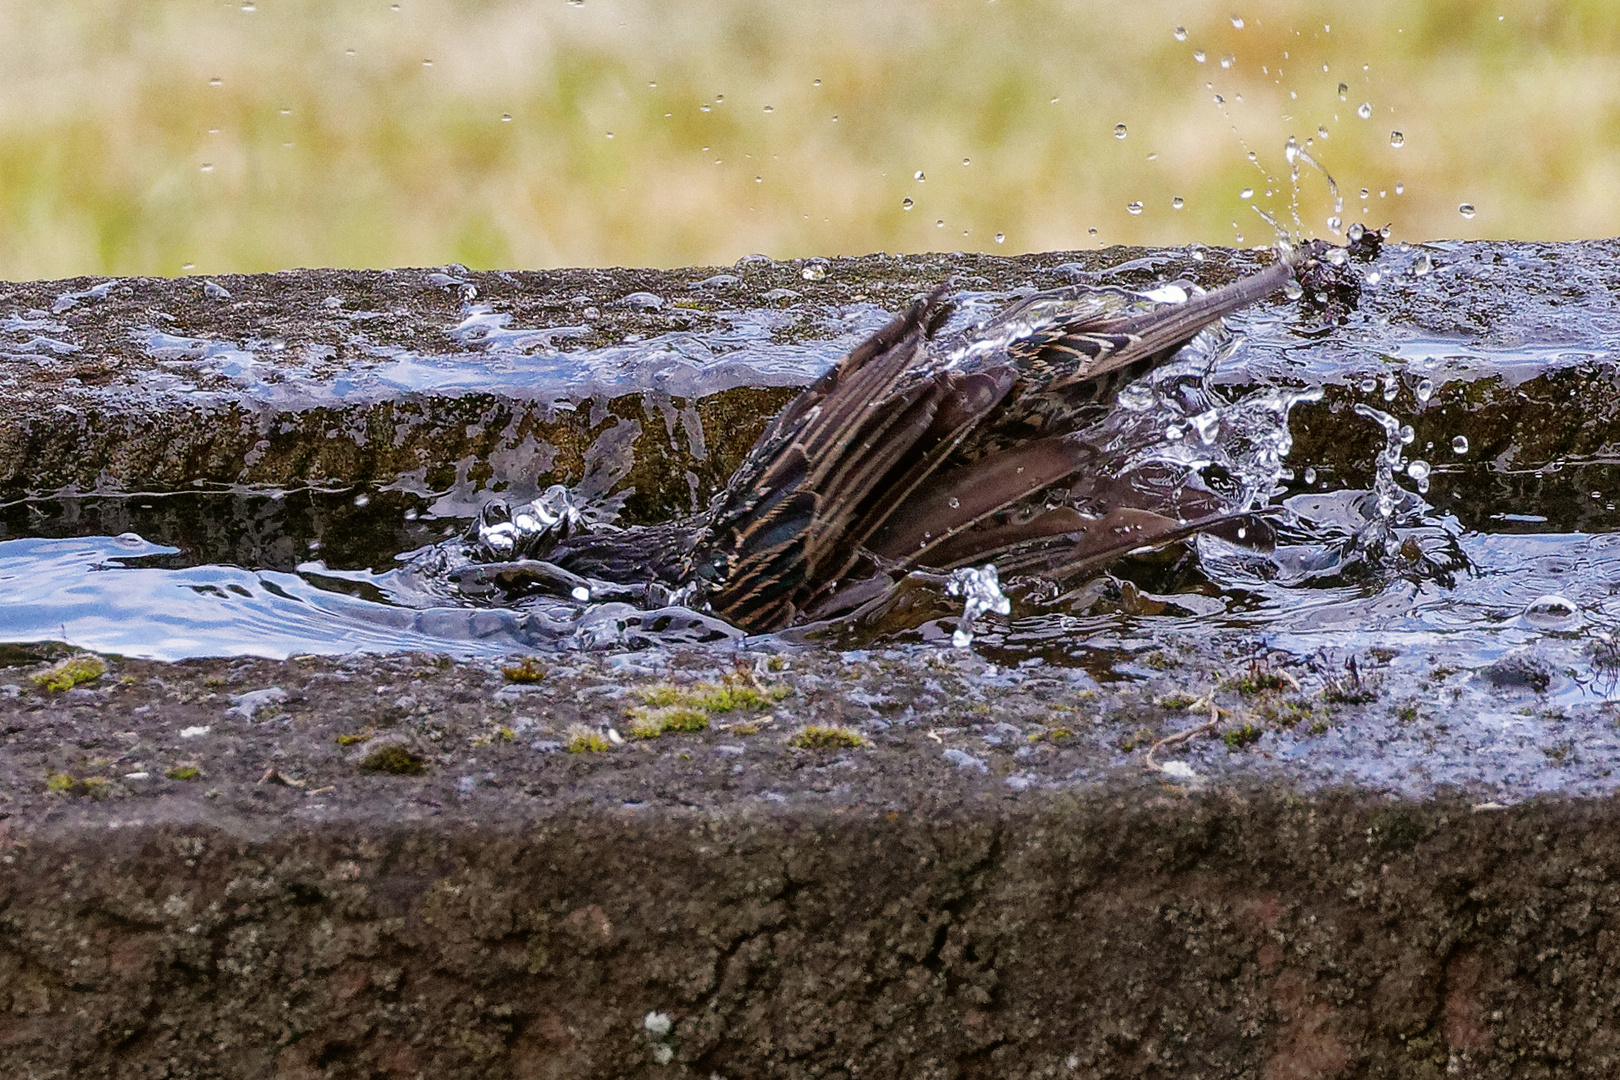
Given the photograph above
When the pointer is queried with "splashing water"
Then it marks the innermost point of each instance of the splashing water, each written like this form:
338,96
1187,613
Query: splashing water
980,590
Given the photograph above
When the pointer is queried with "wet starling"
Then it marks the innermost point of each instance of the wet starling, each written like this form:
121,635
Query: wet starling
922,452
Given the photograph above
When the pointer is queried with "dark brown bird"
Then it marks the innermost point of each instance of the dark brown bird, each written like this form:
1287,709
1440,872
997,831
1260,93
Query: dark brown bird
920,453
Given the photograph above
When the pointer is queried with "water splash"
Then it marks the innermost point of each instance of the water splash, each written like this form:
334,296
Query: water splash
980,590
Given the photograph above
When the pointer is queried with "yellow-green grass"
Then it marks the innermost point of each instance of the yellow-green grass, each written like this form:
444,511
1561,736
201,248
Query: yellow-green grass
119,154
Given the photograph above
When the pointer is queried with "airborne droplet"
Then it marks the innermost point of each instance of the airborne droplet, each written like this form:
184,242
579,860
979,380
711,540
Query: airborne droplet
1364,110
1466,209
1397,139
1119,131
1134,207
906,205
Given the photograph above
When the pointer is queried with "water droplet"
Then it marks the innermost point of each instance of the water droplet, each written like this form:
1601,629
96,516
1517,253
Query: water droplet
1400,188
1422,266
1369,385
610,134
1407,434
1054,101
207,166
1334,223
940,224
1237,22
1364,110
249,8
1001,238
1343,90
216,81
1355,232
703,108
1134,207
1419,471
1459,445
1228,60
759,179
362,500
652,86
348,52
1246,193
954,503
1424,390
1092,231
718,98
1397,139
1180,33
1391,387
918,176
1219,100
1466,209
1177,203
506,118
427,63
1552,613
967,161
1119,131
769,109
1310,474
1321,132
907,204
1198,55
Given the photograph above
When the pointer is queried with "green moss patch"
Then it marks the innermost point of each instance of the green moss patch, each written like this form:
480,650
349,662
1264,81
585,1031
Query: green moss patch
584,740
671,708
527,670
395,760
651,723
826,737
68,673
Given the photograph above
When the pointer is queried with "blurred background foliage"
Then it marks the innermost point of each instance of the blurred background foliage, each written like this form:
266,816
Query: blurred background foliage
175,136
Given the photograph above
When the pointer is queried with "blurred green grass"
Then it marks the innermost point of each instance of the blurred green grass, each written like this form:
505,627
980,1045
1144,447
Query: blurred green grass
171,136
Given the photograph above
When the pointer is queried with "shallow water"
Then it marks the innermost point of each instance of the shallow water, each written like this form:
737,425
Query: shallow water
1494,540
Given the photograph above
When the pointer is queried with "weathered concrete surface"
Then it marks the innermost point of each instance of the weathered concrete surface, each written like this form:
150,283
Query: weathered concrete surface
995,884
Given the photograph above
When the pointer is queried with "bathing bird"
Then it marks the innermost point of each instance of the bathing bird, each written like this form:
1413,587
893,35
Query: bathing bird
925,452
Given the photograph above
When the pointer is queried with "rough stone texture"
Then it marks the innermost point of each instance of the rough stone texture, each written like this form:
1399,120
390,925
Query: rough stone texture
1117,934
1039,904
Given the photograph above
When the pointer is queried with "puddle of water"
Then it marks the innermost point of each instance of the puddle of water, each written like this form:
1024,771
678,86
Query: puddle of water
1455,583
520,363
